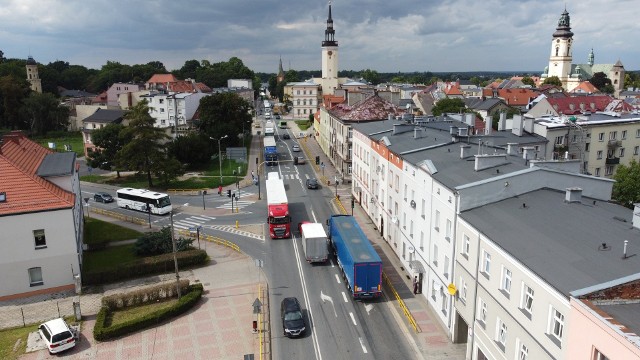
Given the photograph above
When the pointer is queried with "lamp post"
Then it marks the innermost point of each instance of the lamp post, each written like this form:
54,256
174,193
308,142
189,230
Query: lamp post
219,154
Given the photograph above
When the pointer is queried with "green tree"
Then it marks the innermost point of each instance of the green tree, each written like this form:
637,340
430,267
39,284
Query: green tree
448,106
528,81
108,141
371,76
188,70
193,149
632,80
553,80
159,242
44,113
600,80
496,116
223,114
145,152
13,91
626,189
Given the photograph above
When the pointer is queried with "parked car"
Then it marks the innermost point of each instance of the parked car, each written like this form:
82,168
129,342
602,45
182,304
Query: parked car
57,335
286,136
312,183
295,148
277,117
102,197
292,319
298,160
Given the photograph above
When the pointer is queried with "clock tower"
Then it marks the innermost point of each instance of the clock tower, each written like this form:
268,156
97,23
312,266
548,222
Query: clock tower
330,52
560,60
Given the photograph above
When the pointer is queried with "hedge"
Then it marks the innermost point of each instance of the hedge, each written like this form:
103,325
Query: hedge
102,332
145,266
145,295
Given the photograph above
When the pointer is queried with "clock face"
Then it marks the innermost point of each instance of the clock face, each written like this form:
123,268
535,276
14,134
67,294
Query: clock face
330,53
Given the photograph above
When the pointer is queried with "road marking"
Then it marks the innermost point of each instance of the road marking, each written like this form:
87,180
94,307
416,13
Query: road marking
208,217
180,226
313,215
353,318
337,278
368,308
189,222
306,176
364,349
344,296
197,218
329,299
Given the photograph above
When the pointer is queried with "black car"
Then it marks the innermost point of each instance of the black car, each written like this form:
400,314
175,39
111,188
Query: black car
292,319
277,117
312,183
286,136
102,197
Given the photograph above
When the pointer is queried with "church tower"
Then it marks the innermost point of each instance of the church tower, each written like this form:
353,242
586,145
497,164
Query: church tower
280,76
329,58
560,60
32,75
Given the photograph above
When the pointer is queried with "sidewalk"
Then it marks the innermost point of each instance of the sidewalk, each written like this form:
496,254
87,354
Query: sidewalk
431,340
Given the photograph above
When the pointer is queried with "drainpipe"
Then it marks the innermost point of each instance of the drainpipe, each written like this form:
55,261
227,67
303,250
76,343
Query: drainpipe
475,299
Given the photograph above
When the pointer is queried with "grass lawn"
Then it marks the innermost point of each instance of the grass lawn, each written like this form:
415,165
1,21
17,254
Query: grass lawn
72,138
303,124
107,258
8,339
120,316
98,231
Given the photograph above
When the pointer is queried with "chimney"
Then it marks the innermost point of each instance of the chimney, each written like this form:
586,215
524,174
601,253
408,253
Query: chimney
528,125
470,119
528,152
488,125
463,131
502,123
573,194
517,125
636,216
512,148
452,130
488,161
465,151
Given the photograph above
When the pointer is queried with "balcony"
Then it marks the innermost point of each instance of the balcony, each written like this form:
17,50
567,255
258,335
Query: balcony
612,161
614,143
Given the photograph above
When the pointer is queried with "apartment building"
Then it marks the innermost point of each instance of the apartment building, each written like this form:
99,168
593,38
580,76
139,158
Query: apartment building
305,98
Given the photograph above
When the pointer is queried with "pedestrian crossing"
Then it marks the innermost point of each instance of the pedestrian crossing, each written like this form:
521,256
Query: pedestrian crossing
192,222
237,204
233,230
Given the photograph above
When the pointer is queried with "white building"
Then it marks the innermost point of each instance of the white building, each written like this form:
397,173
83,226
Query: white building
165,108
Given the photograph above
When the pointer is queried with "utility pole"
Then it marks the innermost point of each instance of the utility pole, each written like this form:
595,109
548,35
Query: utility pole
175,258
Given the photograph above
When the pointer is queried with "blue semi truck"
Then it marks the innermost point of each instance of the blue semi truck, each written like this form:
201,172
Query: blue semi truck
270,151
360,264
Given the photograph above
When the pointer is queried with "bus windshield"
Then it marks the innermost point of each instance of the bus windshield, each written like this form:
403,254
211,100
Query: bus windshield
164,201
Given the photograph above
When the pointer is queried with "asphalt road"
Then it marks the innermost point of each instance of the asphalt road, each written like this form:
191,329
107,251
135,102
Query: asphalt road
338,327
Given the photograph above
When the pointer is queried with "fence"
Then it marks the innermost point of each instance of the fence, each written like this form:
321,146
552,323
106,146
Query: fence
404,308
113,214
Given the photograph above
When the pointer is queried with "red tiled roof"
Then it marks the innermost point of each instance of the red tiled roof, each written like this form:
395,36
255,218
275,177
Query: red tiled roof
572,105
585,87
371,108
453,90
330,101
203,87
517,97
182,86
27,192
162,79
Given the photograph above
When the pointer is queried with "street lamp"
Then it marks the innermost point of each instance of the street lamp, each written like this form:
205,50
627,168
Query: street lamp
219,154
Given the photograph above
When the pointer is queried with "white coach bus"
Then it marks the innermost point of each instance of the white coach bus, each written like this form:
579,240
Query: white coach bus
138,199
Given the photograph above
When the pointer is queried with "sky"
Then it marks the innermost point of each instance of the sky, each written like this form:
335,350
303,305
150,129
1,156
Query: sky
382,35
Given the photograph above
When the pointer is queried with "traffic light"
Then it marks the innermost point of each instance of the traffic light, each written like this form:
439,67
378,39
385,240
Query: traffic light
317,160
229,193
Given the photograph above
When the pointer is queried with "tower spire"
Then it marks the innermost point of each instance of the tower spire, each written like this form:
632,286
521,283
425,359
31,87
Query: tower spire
329,33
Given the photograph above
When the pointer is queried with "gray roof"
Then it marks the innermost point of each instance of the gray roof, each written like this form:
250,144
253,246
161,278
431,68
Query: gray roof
627,314
57,164
560,241
106,116
435,144
479,104
76,93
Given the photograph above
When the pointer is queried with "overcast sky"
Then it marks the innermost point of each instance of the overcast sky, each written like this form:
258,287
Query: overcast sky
382,35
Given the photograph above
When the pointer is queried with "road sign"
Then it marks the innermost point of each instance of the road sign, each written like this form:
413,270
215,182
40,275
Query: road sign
256,306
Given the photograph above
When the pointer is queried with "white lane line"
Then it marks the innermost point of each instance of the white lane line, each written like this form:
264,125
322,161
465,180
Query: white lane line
353,318
190,222
197,218
313,215
368,308
180,226
208,217
344,296
338,279
364,349
305,294
306,176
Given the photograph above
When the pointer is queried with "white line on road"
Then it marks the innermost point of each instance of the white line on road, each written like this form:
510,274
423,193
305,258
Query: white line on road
344,296
313,215
368,308
353,318
364,349
190,222
324,297
197,218
337,278
208,217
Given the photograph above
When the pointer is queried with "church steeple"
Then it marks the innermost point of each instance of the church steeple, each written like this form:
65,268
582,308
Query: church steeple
280,76
591,58
329,33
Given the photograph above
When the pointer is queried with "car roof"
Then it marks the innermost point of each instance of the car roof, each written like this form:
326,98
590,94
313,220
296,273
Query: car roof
291,304
56,325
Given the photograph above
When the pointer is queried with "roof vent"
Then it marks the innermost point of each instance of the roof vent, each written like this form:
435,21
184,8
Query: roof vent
3,197
573,194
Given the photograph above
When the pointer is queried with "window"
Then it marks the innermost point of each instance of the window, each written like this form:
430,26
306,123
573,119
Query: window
161,101
40,239
601,136
405,192
35,276
559,140
423,206
621,152
597,171
486,262
557,324
501,333
462,294
436,224
446,266
434,289
638,133
482,312
608,170
448,230
586,146
597,355
435,254
410,228
422,240
465,245
506,280
404,220
624,134
527,298
635,150
599,155
523,354
613,135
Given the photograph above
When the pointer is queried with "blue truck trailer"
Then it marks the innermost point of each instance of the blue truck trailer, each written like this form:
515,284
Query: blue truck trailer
270,151
360,264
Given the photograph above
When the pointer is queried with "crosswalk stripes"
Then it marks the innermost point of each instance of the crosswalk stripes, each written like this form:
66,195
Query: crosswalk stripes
236,204
233,230
192,221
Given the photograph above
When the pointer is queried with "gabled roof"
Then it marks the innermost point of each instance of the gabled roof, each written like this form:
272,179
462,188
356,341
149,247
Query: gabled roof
453,90
20,159
162,79
479,104
576,105
106,116
372,108
517,97
585,87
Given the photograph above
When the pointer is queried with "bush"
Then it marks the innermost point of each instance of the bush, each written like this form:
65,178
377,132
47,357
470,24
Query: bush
144,295
159,242
103,331
146,266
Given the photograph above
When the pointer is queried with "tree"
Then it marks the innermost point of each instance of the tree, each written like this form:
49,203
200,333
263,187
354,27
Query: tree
145,152
108,141
448,106
528,81
510,111
159,242
223,114
600,80
188,70
553,80
45,113
13,91
626,189
192,149
371,76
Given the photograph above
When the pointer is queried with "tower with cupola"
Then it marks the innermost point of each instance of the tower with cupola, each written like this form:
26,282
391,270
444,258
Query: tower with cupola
561,57
329,58
32,75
